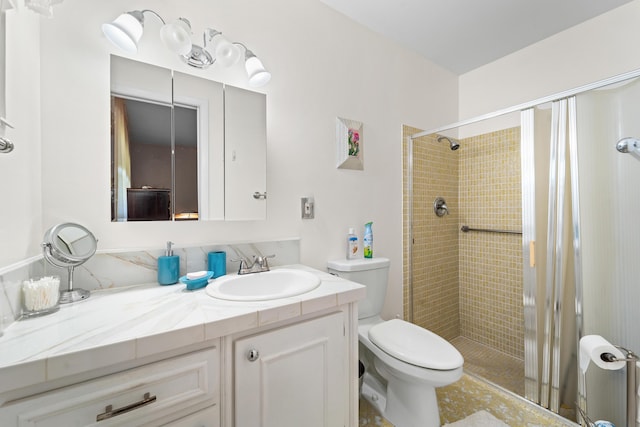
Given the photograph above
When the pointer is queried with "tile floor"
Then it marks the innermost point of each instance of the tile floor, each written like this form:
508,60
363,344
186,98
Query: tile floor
492,365
471,394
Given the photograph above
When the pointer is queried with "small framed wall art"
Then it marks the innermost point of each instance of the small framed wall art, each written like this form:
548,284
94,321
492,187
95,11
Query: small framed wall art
350,144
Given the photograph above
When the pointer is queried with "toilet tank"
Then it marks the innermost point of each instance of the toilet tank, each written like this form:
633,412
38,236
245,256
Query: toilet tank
371,272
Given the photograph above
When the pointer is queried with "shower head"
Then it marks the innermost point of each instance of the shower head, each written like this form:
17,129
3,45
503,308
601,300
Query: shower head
453,143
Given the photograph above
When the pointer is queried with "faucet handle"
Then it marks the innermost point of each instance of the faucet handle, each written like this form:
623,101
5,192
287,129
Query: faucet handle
245,264
263,263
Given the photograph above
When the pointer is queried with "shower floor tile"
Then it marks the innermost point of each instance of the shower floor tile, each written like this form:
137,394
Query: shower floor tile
492,365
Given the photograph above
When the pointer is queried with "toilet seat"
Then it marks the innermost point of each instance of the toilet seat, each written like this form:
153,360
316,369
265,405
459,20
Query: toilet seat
415,345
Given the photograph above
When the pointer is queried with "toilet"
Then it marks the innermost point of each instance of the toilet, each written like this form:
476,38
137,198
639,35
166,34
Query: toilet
404,363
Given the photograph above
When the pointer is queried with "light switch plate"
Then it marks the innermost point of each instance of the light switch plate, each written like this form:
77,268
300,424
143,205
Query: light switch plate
307,207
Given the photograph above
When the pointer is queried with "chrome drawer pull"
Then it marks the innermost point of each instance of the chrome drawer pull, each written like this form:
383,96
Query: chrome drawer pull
109,412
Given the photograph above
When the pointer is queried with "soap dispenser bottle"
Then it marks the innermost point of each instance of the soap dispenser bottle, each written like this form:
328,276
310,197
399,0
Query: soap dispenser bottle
168,267
352,244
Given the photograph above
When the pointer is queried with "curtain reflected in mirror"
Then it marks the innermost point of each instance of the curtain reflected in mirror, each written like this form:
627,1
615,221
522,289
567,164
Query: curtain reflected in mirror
150,157
121,170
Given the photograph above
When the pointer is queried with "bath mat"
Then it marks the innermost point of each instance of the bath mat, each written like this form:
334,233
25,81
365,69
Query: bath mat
479,419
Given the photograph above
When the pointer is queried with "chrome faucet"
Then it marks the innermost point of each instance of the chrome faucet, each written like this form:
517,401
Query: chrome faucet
257,264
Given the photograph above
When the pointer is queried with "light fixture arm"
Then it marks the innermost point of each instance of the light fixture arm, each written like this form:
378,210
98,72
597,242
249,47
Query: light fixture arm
241,44
135,13
247,52
209,34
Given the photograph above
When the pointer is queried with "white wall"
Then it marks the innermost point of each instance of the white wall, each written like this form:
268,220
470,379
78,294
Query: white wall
324,66
602,47
20,175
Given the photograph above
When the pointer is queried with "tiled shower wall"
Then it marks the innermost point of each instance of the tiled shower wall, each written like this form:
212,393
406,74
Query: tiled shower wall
467,284
491,306
435,245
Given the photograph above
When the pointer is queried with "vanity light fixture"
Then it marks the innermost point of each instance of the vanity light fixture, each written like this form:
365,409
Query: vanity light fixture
126,31
258,75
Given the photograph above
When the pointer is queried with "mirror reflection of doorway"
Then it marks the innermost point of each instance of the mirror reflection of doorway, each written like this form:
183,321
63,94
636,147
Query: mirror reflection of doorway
143,160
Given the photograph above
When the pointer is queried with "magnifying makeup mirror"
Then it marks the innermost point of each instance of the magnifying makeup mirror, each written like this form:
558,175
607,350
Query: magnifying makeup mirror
68,245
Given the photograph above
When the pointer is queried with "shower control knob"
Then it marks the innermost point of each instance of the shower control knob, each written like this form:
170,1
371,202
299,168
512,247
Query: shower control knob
253,355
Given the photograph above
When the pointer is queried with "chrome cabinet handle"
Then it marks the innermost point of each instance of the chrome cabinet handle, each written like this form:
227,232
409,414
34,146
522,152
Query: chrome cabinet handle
258,195
109,412
253,355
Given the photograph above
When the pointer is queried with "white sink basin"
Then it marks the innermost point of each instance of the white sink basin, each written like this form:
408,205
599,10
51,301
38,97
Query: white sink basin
274,284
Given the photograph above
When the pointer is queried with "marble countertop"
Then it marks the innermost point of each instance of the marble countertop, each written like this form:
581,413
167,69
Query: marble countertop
124,324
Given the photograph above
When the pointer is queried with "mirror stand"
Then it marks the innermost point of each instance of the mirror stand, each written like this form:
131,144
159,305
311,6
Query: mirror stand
67,246
72,295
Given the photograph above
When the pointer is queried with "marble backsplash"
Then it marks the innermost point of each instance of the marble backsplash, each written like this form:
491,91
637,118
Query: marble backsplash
109,269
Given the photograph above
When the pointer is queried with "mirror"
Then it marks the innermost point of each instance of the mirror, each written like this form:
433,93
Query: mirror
69,245
170,134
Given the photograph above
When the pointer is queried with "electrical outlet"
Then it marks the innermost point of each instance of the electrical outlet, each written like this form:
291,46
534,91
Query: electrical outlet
307,207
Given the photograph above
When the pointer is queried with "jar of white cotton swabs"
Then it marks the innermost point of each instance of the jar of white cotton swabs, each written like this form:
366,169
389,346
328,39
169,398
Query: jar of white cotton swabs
40,296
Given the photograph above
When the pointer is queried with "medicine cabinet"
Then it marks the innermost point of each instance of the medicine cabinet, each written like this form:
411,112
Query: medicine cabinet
184,147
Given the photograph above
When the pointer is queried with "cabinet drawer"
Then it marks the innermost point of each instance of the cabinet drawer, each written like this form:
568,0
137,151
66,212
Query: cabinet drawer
156,393
209,417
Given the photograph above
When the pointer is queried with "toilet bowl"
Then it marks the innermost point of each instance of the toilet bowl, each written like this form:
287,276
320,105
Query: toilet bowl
413,361
405,362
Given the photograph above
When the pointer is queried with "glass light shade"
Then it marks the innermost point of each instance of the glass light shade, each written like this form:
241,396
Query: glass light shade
176,36
225,52
258,75
125,32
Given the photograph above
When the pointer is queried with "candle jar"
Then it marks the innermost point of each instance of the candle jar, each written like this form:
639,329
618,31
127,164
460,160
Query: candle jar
40,296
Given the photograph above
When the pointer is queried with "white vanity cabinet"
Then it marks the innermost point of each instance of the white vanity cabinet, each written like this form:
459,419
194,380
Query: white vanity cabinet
293,376
184,388
282,363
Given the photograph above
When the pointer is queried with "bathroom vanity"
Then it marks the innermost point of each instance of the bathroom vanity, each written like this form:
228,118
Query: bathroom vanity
161,355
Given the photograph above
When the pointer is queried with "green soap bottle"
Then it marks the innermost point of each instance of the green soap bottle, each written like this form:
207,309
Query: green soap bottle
367,240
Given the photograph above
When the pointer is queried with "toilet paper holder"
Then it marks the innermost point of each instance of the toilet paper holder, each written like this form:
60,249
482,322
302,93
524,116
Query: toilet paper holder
632,385
631,358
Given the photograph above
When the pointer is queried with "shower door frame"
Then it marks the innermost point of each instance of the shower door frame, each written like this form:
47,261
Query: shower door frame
532,377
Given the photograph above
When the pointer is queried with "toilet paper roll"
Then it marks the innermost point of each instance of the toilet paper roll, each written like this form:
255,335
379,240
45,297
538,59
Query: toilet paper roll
592,347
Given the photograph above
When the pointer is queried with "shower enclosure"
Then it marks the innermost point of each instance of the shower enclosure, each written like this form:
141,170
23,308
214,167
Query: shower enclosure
538,245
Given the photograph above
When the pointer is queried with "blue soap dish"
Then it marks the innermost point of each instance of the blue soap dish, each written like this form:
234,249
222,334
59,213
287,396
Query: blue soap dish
197,282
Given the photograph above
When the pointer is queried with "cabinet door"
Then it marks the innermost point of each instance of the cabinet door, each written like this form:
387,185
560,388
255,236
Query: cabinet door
245,166
293,376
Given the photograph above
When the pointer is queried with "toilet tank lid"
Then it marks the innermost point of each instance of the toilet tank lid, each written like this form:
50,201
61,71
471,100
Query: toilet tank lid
359,264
